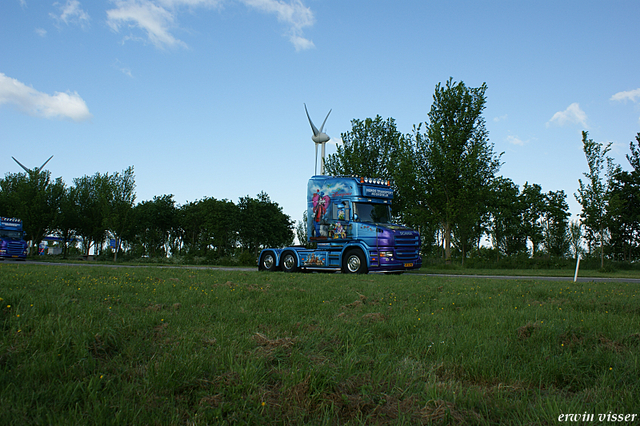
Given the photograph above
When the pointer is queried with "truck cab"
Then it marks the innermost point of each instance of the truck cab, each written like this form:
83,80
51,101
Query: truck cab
349,219
12,243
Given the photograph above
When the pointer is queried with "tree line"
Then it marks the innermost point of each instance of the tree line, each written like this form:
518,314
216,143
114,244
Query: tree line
446,181
102,207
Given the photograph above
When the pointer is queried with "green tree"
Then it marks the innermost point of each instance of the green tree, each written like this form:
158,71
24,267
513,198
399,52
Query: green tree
35,198
155,221
120,198
263,224
593,194
372,148
575,238
454,161
624,207
92,193
557,240
534,208
191,220
301,229
507,211
67,219
210,225
366,150
220,225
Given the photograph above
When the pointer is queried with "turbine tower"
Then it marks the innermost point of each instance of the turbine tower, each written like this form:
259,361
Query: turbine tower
319,138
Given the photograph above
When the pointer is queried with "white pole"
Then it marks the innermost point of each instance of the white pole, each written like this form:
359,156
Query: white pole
575,277
322,160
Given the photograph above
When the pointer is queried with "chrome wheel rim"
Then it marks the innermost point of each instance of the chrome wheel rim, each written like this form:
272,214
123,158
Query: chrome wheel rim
353,263
289,262
268,261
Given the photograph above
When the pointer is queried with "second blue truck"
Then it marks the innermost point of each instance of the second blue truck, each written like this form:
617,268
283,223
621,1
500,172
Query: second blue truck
12,243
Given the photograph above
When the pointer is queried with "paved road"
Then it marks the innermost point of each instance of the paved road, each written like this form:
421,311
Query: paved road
247,269
219,268
540,278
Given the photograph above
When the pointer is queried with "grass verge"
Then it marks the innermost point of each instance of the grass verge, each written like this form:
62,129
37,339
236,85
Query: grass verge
144,346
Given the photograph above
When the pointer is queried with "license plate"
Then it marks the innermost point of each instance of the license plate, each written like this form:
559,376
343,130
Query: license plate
408,265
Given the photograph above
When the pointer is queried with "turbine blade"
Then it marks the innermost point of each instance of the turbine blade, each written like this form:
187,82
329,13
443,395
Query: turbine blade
21,165
325,120
313,127
45,163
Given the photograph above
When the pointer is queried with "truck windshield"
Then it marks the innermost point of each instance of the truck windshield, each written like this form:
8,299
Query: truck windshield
16,235
372,213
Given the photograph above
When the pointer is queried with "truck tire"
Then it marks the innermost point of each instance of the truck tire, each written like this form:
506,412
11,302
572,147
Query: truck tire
267,262
354,262
289,263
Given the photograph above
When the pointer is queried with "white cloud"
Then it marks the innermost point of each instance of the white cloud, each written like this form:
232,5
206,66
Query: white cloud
23,4
301,43
631,95
516,140
172,4
27,99
500,118
41,32
295,14
71,13
122,68
336,141
159,17
572,115
154,20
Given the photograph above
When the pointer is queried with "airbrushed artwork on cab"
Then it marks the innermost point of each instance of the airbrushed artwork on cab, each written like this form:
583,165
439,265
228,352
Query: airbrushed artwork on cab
327,214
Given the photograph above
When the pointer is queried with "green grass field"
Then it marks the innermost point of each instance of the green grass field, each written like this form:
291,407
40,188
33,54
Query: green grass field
129,346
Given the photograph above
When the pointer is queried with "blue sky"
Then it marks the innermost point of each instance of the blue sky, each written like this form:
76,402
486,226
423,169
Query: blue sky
205,97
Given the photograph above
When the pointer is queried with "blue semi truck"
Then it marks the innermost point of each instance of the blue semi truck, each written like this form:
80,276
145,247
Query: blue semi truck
12,243
349,218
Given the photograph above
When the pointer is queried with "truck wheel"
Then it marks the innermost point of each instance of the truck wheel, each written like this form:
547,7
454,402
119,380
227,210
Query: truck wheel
267,262
289,262
354,262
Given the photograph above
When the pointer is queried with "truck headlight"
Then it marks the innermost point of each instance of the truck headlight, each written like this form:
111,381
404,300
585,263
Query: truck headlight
386,254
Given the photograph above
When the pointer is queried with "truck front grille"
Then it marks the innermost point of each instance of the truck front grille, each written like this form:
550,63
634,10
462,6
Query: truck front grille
14,248
407,246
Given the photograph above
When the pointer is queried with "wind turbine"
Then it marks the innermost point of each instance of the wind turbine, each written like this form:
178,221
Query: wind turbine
319,138
36,170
